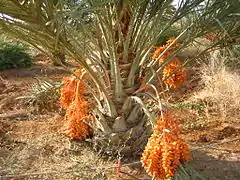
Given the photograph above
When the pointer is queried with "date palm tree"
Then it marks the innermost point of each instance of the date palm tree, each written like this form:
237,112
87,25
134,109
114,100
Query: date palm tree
112,40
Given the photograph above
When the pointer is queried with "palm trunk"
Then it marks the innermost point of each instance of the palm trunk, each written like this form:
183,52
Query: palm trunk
129,131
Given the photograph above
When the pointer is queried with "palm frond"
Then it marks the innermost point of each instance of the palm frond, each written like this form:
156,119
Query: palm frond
43,95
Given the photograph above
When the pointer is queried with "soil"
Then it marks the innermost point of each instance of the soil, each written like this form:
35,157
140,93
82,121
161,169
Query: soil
31,143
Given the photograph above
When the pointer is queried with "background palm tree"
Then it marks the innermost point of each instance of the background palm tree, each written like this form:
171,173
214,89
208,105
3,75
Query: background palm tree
112,40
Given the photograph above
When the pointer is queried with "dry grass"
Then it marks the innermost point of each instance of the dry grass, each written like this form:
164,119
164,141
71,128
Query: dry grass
34,146
39,146
221,92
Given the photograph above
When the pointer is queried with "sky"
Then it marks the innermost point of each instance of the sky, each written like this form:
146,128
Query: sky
175,2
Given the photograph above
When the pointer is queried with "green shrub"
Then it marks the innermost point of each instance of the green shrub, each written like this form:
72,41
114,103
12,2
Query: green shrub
14,56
